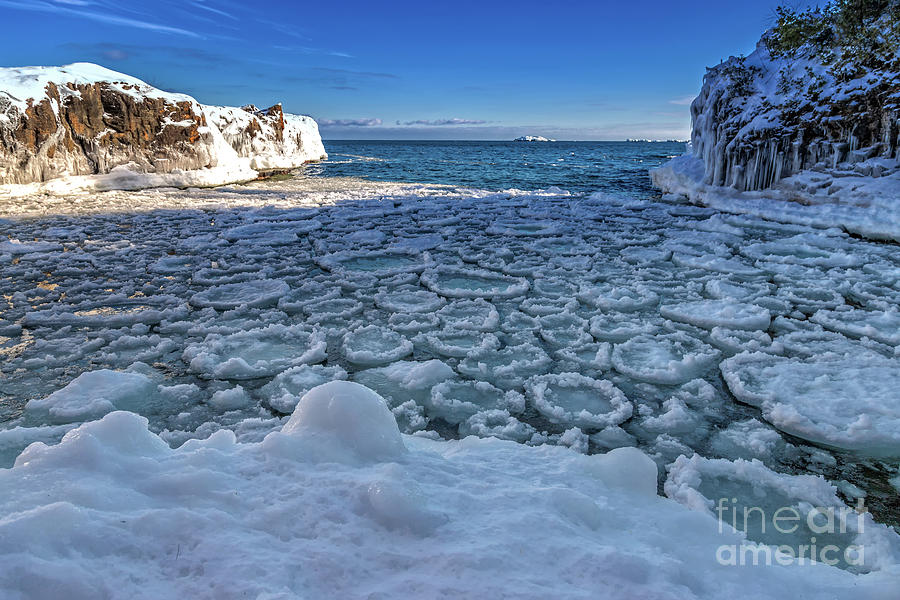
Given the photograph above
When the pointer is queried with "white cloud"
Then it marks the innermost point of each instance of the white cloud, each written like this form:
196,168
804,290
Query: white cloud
686,101
349,122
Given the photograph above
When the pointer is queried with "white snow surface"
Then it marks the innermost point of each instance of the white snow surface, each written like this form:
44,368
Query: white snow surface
338,503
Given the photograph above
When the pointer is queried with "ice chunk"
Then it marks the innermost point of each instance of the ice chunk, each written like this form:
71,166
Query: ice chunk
409,300
509,367
283,392
373,345
230,399
880,326
456,401
718,313
807,398
256,294
261,352
454,282
665,359
496,423
573,399
93,394
618,297
478,315
406,380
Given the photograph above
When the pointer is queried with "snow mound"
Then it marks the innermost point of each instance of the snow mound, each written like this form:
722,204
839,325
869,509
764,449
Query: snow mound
345,418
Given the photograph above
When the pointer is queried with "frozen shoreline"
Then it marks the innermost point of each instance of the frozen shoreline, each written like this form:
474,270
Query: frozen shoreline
561,324
857,203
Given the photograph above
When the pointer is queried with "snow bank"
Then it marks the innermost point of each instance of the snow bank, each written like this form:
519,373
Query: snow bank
338,503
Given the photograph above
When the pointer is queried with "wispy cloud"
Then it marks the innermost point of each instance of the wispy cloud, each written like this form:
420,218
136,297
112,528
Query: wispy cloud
686,101
349,73
119,52
349,122
85,10
443,122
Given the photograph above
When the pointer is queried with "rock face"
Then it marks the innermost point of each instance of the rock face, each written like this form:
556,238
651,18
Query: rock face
760,119
84,120
269,138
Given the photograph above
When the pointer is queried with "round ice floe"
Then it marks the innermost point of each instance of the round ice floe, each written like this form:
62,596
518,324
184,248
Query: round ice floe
618,327
718,313
271,231
518,322
509,367
800,252
586,358
453,282
336,309
523,228
93,394
168,265
554,287
809,299
640,255
573,399
733,341
748,439
412,323
379,263
255,353
406,380
344,420
476,315
745,292
461,343
806,344
122,314
254,294
880,326
374,345
496,423
408,300
847,402
456,401
219,276
564,330
283,392
618,297
752,498
542,306
18,248
664,359
717,264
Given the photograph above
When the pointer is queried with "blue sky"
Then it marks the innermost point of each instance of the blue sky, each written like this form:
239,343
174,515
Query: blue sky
410,70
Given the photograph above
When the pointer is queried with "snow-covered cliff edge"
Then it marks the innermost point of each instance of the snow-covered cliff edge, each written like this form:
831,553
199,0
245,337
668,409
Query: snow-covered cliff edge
809,117
84,127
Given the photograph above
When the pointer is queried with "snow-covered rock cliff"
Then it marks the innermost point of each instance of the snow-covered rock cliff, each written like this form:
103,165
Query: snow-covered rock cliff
818,123
82,126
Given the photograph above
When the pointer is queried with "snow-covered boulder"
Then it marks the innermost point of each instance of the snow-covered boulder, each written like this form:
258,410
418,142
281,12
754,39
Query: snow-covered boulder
84,127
